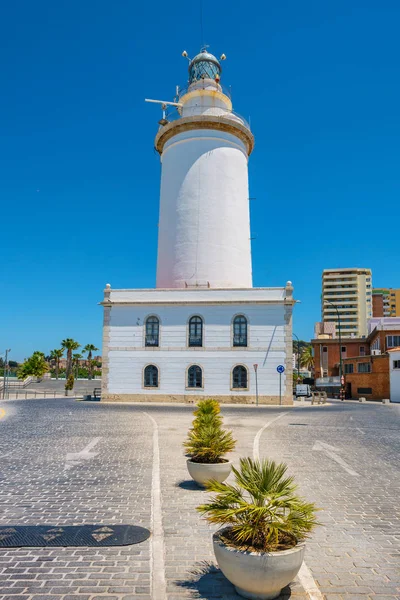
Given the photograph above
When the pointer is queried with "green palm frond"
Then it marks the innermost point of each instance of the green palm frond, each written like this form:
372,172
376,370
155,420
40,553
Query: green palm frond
262,508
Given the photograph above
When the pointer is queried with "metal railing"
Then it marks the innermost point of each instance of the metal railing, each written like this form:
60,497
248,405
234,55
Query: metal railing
174,114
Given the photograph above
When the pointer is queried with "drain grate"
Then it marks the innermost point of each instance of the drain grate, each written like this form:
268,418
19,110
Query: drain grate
19,536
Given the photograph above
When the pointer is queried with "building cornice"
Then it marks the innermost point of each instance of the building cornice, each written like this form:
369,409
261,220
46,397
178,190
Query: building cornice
218,123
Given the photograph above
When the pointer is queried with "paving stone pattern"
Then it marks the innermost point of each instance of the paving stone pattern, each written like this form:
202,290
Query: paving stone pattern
354,555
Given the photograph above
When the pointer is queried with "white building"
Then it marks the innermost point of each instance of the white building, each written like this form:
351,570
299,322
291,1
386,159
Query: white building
204,331
394,373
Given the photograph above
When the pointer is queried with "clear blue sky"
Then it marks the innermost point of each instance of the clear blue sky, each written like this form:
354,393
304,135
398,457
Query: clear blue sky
80,180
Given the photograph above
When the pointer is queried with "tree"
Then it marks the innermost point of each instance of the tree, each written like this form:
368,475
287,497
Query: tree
56,355
89,348
76,358
307,358
35,366
69,345
69,384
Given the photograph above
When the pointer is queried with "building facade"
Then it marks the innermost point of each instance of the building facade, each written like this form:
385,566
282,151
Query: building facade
394,370
347,295
385,302
204,331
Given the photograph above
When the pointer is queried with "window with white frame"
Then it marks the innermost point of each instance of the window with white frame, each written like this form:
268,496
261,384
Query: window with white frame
195,331
152,328
195,377
396,364
240,331
376,344
348,368
392,341
239,377
151,376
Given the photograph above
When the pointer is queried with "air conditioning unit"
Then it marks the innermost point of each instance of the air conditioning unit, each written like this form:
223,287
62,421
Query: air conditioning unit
376,352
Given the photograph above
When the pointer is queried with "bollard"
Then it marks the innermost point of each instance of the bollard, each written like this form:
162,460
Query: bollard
386,401
362,399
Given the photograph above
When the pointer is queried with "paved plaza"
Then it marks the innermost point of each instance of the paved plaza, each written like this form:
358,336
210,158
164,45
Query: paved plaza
66,463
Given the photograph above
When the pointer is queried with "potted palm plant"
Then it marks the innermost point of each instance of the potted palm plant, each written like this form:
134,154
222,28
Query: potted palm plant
207,443
260,547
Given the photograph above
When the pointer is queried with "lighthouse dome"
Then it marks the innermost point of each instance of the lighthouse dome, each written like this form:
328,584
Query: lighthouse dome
204,66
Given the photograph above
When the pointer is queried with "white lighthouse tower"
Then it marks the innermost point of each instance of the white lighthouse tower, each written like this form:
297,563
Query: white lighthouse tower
204,226
204,330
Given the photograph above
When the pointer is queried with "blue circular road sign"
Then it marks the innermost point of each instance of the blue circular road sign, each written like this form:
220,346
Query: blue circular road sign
280,368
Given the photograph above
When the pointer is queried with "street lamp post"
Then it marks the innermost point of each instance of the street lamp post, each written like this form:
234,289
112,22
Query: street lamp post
298,357
255,371
340,344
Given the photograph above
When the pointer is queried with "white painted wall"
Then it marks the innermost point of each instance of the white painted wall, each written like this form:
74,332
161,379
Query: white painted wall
204,224
128,355
394,377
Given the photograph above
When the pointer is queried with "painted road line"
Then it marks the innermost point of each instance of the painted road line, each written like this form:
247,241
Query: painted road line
2,413
256,444
309,584
360,430
158,585
74,459
332,451
305,577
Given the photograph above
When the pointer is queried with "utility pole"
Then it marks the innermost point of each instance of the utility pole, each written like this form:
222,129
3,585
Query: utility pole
340,348
5,373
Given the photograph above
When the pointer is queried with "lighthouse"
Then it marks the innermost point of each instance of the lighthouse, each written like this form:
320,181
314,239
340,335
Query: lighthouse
203,331
204,224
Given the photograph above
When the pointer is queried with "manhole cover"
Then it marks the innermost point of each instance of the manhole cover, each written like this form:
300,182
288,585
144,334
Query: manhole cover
71,535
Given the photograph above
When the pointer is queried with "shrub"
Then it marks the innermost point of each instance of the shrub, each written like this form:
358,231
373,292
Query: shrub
262,511
207,441
69,384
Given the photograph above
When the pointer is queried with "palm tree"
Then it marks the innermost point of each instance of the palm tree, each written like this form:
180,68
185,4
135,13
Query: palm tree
307,358
76,358
56,355
261,508
89,348
69,345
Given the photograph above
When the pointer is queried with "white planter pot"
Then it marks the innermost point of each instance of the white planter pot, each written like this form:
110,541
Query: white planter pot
203,472
258,575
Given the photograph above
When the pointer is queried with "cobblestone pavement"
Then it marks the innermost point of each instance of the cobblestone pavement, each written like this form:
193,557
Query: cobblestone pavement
346,458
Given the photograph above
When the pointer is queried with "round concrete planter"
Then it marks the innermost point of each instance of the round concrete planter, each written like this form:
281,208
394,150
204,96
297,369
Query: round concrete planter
258,575
203,472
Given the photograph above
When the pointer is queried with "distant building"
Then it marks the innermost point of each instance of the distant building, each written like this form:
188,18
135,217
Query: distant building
324,330
385,302
365,361
394,371
350,292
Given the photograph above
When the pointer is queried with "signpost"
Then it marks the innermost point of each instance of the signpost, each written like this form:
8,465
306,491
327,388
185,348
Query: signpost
280,369
255,371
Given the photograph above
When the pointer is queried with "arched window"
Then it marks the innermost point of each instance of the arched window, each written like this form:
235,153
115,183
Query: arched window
152,331
151,376
195,377
239,377
240,331
195,331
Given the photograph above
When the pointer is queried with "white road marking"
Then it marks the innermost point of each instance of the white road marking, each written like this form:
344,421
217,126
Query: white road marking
305,577
256,444
331,451
360,430
158,585
74,459
309,584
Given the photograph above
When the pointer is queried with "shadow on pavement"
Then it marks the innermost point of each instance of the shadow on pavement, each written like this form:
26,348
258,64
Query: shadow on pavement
209,583
189,484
